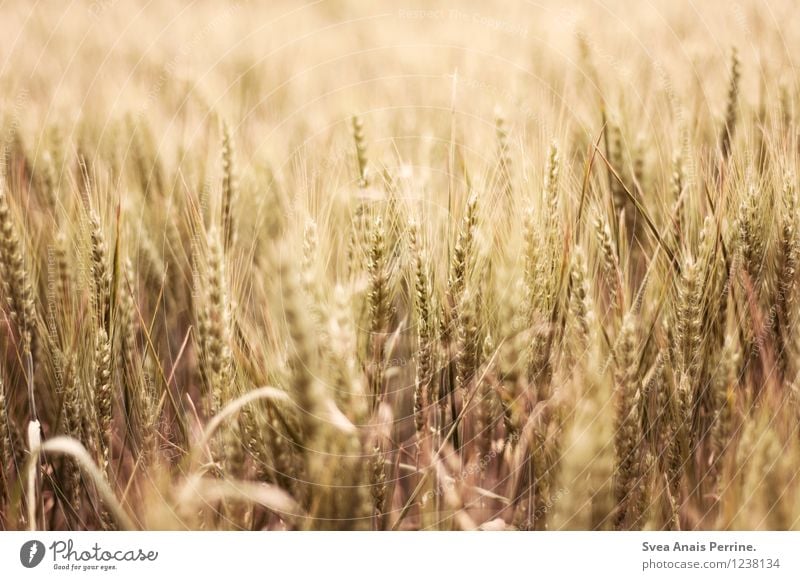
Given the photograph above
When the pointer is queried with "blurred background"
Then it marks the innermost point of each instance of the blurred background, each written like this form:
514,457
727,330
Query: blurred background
286,75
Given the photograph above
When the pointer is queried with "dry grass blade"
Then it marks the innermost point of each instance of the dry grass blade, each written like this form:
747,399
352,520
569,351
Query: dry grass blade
73,448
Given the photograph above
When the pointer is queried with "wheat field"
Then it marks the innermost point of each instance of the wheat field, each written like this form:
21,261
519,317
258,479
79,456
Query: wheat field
377,266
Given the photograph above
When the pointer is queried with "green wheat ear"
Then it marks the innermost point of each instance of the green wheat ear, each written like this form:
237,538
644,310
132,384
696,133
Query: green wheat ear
361,150
726,135
6,450
230,187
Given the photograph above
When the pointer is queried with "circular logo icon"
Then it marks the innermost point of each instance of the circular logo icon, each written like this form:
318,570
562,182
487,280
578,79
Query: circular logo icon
31,553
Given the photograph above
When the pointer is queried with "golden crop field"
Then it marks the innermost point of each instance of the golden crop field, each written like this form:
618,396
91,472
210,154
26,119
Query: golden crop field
376,265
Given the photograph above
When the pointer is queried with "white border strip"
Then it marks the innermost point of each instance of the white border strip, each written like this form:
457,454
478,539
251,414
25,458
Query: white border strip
401,555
